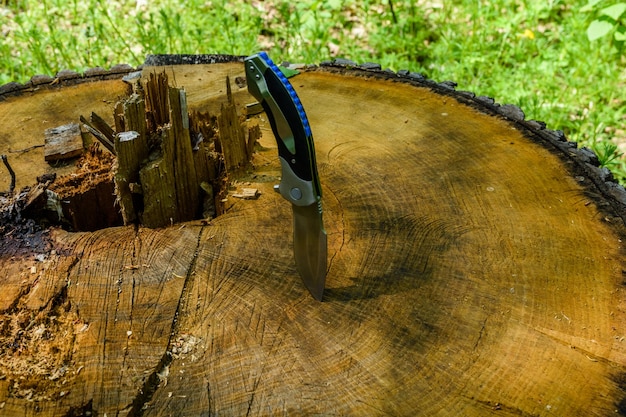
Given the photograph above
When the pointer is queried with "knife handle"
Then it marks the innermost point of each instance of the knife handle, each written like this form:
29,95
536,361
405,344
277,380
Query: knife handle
300,181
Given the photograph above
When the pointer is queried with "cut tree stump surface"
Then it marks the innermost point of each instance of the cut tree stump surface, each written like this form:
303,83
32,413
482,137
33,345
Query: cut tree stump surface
24,120
470,273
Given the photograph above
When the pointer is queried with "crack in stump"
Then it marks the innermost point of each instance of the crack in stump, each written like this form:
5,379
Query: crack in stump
480,333
142,401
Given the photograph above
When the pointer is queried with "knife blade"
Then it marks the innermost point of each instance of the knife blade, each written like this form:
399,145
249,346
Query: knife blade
299,184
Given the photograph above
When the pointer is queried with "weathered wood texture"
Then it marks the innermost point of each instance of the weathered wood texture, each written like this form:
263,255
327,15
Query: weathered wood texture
165,172
170,186
87,198
236,150
63,142
131,149
470,273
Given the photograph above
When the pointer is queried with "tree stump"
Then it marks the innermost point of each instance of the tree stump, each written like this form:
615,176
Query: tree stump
476,267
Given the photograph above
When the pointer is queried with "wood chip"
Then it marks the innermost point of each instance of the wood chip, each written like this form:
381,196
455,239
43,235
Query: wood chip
63,142
248,194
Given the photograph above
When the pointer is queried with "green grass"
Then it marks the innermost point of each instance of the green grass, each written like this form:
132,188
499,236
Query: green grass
535,54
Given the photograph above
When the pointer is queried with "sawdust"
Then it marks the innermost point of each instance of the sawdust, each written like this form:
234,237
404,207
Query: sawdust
36,347
93,168
185,346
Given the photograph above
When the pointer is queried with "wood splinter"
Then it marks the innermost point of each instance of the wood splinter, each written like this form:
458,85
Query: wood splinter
100,130
168,161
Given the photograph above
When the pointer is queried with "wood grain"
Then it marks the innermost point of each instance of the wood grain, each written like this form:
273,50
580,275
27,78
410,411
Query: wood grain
63,142
470,273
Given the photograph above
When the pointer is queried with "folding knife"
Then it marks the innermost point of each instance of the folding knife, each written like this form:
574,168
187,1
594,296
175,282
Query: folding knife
299,184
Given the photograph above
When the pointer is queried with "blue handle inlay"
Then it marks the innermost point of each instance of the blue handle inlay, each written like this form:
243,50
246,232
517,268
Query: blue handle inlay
290,90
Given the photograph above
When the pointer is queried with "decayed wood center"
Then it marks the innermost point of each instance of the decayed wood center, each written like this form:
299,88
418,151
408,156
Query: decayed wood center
470,273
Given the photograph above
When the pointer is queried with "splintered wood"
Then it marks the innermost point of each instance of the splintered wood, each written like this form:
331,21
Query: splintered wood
233,145
131,148
166,188
168,162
